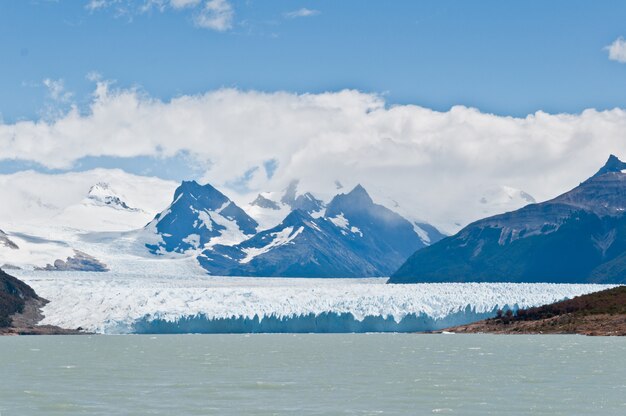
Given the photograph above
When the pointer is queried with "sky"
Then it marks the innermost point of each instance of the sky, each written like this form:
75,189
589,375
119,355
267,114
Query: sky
427,96
508,58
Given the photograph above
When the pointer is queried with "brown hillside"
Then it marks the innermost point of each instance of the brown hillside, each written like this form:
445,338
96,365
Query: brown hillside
600,313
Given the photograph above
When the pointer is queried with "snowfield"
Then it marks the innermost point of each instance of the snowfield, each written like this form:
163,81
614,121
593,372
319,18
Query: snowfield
114,303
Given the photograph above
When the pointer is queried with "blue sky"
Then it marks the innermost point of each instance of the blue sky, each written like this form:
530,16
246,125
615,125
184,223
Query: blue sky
508,58
396,92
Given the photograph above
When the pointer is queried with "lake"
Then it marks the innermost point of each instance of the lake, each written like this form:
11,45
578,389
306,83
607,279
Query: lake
312,374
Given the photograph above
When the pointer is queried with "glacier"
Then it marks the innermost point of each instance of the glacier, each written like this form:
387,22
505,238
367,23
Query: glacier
126,303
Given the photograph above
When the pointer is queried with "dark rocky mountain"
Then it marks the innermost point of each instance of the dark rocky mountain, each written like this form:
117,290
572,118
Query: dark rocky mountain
20,310
7,242
197,215
80,262
13,295
579,236
354,238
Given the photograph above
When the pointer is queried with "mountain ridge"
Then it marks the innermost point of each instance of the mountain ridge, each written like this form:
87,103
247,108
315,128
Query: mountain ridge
571,238
351,236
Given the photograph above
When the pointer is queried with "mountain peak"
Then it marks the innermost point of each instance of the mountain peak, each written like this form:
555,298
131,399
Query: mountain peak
612,165
263,202
102,194
306,202
360,194
199,215
196,190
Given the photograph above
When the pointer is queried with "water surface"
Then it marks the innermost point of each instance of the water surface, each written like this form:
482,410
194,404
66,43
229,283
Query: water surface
338,374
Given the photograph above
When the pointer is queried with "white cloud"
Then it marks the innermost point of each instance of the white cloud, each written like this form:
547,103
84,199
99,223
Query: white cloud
436,163
303,12
617,50
181,4
208,14
100,4
57,91
216,15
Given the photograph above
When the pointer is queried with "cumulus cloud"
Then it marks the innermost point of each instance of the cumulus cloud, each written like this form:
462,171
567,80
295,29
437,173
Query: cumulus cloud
617,50
215,14
303,12
434,163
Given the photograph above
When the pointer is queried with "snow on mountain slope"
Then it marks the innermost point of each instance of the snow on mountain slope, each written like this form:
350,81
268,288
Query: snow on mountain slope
102,194
351,236
123,303
448,214
300,246
270,208
32,251
73,200
200,216
46,215
267,210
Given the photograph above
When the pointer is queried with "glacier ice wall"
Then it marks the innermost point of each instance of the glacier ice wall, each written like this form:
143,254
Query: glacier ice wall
117,303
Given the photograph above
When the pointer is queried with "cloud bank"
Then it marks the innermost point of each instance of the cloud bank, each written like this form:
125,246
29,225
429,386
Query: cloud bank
436,163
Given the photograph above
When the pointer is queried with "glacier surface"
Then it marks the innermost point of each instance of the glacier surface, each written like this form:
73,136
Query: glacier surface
115,303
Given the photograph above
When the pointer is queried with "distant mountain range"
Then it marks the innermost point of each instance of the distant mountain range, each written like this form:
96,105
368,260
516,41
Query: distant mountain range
579,236
57,221
350,237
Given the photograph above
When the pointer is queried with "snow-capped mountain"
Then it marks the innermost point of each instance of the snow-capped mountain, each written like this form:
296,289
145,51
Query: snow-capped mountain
352,237
103,195
199,216
300,246
579,236
48,217
305,202
270,208
35,202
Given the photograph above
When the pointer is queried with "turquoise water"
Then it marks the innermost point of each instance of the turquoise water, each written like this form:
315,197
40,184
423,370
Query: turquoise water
339,374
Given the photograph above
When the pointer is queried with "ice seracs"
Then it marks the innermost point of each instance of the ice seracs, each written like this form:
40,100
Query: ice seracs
128,303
